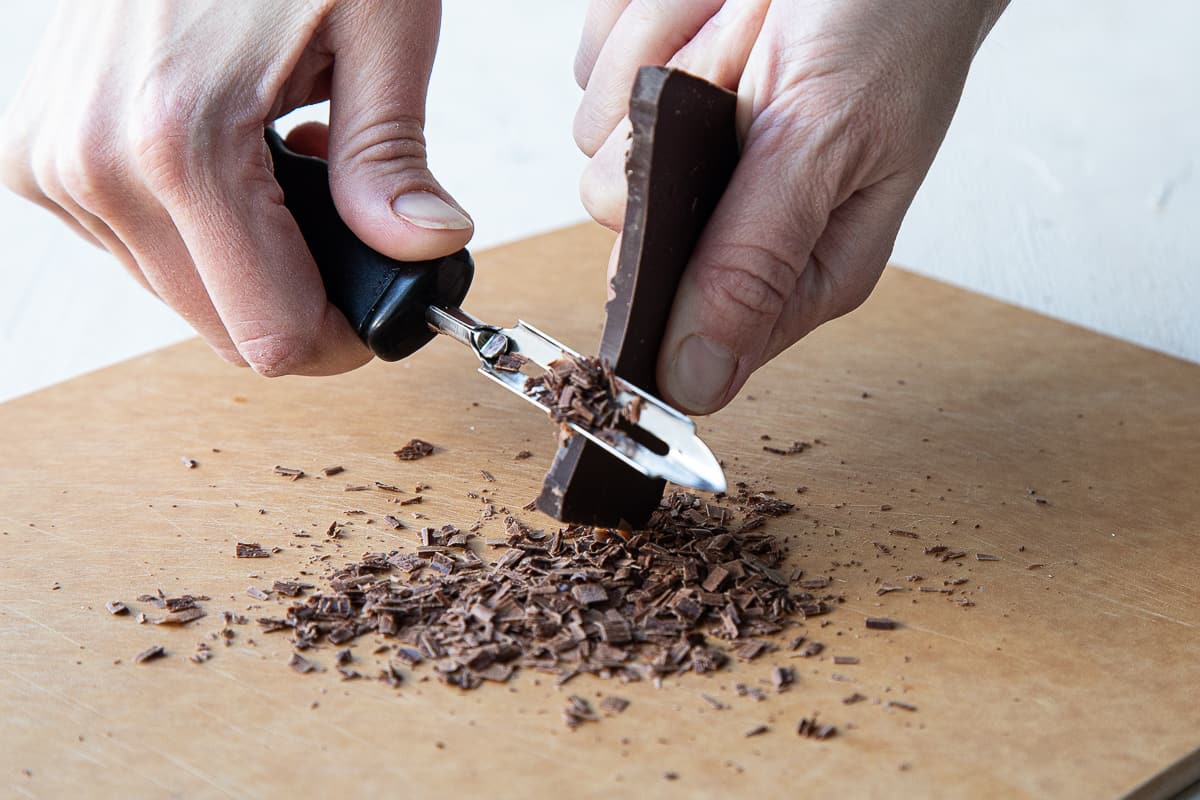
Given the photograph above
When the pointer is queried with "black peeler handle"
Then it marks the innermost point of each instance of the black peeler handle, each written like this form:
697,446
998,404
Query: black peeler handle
384,299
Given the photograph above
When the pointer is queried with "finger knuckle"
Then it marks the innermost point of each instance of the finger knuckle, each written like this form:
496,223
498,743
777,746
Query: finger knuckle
753,279
158,152
602,200
15,169
89,175
595,119
164,130
392,140
15,175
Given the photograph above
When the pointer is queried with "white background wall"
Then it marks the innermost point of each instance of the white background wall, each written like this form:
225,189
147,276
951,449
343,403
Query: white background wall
1069,181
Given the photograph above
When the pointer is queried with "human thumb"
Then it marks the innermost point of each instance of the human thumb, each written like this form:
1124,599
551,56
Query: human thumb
741,281
797,239
379,172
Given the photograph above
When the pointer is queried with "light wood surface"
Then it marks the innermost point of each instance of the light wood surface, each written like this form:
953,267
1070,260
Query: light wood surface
1076,679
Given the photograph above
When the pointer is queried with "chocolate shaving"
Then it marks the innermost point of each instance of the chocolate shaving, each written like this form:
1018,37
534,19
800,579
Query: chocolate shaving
582,391
509,362
810,728
414,450
180,618
881,624
329,472
251,550
791,450
614,704
150,654
289,472
116,607
577,712
637,606
303,665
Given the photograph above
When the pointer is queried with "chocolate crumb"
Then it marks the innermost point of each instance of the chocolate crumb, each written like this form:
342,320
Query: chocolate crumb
698,585
614,704
116,607
509,362
577,712
303,665
150,654
414,450
251,550
291,588
790,450
810,728
583,391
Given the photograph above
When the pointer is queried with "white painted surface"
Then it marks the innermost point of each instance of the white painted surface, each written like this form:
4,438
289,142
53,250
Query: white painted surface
1069,182
1070,179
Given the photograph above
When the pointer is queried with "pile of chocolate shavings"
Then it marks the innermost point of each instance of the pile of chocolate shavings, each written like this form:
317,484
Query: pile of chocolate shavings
701,581
583,391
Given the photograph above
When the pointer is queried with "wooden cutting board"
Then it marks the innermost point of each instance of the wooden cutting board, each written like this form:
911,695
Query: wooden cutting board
937,412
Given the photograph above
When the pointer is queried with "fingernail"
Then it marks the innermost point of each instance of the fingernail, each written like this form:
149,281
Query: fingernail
700,374
427,210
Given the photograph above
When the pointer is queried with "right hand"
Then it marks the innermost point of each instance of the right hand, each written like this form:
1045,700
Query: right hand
141,124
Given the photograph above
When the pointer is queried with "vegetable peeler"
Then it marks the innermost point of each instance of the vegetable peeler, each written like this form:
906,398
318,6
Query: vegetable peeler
396,308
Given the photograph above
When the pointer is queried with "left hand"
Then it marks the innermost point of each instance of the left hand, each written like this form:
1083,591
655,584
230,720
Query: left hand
842,105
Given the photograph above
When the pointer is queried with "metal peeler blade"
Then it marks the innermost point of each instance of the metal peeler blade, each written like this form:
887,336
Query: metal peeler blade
687,460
